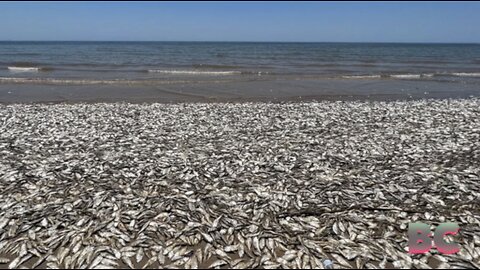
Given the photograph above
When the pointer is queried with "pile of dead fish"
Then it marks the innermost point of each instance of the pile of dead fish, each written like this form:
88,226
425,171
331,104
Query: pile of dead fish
249,185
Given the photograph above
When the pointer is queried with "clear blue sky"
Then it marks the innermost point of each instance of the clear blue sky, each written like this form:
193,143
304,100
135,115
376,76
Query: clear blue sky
242,21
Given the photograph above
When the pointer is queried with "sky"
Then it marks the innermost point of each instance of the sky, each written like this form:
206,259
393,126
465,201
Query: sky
450,22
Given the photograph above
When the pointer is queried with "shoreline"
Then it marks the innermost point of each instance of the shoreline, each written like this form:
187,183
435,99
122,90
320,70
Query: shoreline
247,91
253,101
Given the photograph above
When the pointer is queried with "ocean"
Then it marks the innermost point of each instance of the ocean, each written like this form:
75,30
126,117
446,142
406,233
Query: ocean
151,64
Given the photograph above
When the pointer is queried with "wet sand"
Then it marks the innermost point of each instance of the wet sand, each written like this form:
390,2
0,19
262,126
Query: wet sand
245,91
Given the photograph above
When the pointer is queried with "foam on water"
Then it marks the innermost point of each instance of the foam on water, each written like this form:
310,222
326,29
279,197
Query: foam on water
464,74
194,72
395,76
24,69
53,81
406,76
362,77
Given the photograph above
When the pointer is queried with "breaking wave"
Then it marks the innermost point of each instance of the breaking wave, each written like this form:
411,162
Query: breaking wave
24,69
467,74
394,76
406,76
18,69
194,72
57,81
53,81
362,77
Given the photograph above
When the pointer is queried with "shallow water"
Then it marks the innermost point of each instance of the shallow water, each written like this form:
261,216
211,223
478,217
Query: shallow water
164,60
65,66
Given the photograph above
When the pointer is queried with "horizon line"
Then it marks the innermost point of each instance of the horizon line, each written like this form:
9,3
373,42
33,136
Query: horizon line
213,41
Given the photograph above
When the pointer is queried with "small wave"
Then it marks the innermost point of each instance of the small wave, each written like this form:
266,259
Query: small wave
412,76
406,76
55,81
395,76
52,81
464,74
362,77
194,72
24,69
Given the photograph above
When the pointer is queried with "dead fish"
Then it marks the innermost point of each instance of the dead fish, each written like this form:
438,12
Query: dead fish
217,263
139,256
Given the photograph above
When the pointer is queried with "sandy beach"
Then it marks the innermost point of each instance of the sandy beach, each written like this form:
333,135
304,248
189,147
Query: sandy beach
242,185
